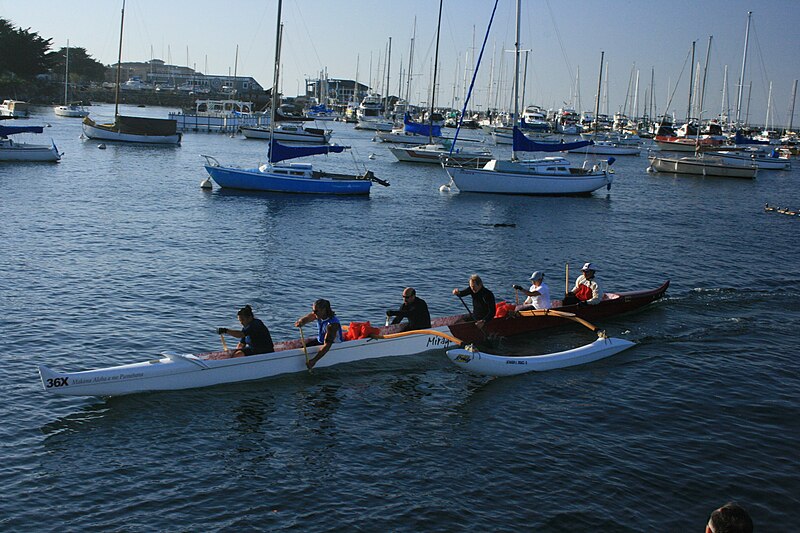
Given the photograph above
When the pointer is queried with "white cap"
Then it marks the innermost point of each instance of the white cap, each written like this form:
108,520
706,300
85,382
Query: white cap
537,276
589,266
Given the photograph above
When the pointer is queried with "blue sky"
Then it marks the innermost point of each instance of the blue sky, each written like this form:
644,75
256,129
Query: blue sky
563,36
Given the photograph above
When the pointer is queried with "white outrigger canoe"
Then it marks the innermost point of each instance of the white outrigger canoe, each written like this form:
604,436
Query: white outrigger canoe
487,364
175,371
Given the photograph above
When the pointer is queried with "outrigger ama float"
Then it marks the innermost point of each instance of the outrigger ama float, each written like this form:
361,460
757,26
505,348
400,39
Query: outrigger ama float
175,371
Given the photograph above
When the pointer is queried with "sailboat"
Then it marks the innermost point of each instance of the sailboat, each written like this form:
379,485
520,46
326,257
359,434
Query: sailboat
289,177
545,176
419,145
131,129
701,164
10,150
69,109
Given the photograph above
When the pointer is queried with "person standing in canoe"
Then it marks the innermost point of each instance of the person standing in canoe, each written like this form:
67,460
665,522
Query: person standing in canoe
329,329
254,335
414,309
483,304
538,294
586,289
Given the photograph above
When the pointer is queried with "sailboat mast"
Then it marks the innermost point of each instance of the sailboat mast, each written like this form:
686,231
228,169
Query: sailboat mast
516,77
410,75
791,113
744,64
597,100
388,67
66,78
435,69
705,75
691,86
769,104
274,106
119,61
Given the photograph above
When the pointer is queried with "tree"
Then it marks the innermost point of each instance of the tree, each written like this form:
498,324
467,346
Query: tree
82,66
28,57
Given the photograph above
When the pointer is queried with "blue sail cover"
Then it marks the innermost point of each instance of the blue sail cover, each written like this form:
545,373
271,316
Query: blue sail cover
523,144
741,139
12,130
281,152
421,129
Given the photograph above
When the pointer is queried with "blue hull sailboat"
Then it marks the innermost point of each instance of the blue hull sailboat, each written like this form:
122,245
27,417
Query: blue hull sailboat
292,177
289,177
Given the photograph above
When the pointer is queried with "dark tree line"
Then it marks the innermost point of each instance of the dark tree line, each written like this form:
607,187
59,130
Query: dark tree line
26,55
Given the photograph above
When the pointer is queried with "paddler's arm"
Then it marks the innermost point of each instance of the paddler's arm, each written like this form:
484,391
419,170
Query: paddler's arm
330,336
232,332
303,320
525,291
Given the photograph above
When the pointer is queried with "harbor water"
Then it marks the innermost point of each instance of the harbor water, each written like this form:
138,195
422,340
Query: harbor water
114,255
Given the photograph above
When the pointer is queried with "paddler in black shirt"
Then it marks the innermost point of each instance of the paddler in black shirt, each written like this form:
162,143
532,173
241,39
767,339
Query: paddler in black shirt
483,304
254,335
414,309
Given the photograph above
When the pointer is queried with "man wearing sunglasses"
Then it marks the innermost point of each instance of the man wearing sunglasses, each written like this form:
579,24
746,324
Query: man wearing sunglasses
414,309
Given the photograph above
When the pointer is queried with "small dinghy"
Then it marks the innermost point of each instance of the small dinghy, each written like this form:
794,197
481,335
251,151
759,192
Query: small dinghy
485,364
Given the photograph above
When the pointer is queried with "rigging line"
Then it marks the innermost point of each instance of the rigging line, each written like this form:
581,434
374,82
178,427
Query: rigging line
474,76
764,76
308,33
563,49
683,69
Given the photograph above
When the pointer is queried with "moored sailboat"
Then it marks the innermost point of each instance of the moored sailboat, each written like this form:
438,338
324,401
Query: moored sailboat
129,129
10,150
73,110
546,176
291,177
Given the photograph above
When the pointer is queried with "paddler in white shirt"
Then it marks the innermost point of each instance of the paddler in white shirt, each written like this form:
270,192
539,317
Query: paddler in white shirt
538,294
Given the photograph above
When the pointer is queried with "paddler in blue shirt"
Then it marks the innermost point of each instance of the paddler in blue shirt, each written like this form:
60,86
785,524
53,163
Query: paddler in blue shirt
329,329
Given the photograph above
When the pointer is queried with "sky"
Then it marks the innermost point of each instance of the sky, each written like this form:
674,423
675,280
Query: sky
565,39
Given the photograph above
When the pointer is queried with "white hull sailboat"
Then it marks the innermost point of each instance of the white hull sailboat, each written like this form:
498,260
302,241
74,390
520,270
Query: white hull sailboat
547,176
69,110
702,165
289,133
11,150
127,129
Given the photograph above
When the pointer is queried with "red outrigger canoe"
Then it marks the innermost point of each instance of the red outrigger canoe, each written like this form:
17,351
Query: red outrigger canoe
613,303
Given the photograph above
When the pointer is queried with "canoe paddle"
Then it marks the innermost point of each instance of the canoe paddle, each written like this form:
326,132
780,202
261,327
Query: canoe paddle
466,307
224,346
472,317
305,350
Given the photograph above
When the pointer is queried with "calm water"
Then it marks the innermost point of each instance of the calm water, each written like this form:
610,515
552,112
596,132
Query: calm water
112,256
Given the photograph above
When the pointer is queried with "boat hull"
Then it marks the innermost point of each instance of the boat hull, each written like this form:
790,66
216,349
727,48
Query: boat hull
13,151
612,305
699,167
762,162
299,136
265,181
498,182
104,132
486,364
71,111
411,154
175,371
